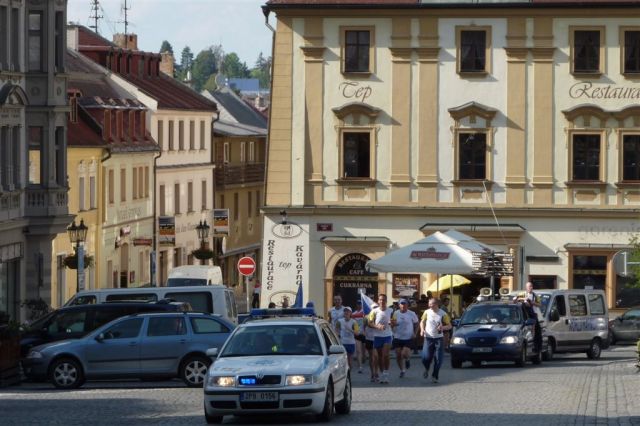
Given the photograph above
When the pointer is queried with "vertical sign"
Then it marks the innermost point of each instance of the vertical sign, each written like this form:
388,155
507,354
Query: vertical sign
221,221
285,262
80,253
166,230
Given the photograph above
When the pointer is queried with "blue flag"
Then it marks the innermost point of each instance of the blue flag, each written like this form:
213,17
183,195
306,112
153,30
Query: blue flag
367,303
298,302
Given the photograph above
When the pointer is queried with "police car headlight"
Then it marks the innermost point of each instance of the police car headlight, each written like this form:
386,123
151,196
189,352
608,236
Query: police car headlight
34,355
299,379
458,341
509,340
221,381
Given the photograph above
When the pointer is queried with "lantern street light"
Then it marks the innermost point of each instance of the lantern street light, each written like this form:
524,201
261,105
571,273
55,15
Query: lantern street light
77,236
203,234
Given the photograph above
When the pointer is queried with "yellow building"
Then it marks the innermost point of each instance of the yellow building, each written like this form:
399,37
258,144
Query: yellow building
516,123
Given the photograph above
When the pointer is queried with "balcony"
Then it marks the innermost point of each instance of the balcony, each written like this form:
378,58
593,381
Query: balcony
227,175
44,202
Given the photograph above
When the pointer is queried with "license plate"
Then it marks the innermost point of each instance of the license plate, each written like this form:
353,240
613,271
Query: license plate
259,396
482,350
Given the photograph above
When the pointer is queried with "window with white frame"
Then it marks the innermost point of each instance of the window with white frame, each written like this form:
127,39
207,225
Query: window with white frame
472,156
243,151
356,154
252,152
226,155
81,205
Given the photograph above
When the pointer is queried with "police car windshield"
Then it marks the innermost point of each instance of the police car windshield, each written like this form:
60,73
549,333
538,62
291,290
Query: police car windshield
492,314
273,339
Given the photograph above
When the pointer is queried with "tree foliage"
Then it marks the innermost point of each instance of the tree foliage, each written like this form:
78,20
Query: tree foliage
166,47
634,261
262,71
186,63
232,67
204,66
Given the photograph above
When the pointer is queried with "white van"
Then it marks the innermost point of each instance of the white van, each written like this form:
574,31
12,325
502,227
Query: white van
214,299
193,275
576,320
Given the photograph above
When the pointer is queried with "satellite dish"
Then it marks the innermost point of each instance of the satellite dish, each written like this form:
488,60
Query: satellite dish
622,263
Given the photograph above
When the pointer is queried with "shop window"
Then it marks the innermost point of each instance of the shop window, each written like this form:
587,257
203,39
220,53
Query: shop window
589,272
631,157
472,156
631,52
587,50
473,50
357,49
585,157
544,281
356,155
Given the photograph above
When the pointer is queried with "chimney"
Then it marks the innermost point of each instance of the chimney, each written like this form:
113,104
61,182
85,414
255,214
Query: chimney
166,64
126,41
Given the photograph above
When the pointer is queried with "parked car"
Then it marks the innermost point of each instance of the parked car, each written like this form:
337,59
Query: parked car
154,345
495,331
194,275
626,327
211,299
279,365
76,321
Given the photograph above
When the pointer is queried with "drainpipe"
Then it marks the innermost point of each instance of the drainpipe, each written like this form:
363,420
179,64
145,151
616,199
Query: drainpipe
98,247
213,188
153,262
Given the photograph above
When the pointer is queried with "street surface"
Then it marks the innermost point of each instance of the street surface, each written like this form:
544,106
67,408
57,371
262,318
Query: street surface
570,390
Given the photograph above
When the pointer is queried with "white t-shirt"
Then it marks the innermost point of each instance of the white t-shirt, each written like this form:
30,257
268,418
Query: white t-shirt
336,314
405,322
432,320
348,330
377,317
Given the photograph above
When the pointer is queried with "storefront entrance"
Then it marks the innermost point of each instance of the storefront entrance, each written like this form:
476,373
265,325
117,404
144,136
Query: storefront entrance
350,277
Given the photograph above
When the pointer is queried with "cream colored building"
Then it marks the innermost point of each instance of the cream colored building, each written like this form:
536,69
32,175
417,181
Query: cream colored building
517,124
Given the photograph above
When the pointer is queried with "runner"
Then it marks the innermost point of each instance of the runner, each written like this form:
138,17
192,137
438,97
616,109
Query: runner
380,320
432,324
347,329
404,331
336,312
358,315
369,332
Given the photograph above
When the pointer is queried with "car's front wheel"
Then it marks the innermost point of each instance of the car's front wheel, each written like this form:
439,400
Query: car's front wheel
193,370
522,359
66,373
344,406
595,349
327,411
548,354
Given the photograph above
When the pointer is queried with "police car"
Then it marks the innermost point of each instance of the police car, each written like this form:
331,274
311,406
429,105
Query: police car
281,360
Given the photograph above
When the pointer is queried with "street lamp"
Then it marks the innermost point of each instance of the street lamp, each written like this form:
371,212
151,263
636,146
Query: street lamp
77,236
203,234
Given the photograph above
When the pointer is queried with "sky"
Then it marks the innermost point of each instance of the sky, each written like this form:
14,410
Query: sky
238,25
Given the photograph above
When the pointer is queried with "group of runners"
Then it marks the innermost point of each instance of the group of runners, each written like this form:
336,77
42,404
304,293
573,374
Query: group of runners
375,334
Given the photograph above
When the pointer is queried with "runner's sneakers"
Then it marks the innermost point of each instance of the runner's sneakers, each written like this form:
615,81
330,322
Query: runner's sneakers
402,373
434,379
408,363
384,377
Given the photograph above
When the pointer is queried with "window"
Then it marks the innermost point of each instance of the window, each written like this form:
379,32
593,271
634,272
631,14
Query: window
112,187
161,134
181,135
252,152
589,271
356,155
357,50
5,155
176,198
171,146
35,153
161,196
68,323
134,191
243,152
544,281
585,157
60,157
206,325
236,206
222,201
257,203
126,329
596,304
146,181
249,203
16,30
631,52
92,192
138,297
17,160
559,305
166,326
35,41
81,205
202,134
192,135
577,305
60,47
190,197
203,195
473,50
226,157
631,157
123,185
586,50
200,302
472,156
4,36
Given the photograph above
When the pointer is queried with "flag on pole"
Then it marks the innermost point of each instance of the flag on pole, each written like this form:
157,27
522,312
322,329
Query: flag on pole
298,302
367,303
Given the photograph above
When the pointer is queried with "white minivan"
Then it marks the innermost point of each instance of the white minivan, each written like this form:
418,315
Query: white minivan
214,299
192,275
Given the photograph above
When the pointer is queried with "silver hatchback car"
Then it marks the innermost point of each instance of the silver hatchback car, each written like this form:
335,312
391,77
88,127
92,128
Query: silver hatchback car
139,346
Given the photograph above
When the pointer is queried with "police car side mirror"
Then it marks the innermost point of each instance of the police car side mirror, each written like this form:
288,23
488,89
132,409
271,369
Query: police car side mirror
212,352
336,350
456,323
554,315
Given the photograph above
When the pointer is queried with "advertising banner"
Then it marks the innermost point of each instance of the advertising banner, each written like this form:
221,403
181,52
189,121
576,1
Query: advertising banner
221,221
166,231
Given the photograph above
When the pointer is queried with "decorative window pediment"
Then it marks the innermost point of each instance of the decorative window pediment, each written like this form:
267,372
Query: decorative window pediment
356,108
586,110
472,110
12,94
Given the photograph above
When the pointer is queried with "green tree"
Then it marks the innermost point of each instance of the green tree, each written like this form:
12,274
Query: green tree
634,259
262,71
204,66
233,68
186,63
210,84
166,47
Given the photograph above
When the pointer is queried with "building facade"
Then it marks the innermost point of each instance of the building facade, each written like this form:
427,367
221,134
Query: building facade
180,120
515,123
33,109
239,143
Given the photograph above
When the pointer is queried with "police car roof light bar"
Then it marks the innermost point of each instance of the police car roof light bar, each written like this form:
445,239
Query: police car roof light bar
283,312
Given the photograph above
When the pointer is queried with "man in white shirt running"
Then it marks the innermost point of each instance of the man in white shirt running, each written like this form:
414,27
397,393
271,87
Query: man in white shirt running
336,312
404,331
380,319
433,323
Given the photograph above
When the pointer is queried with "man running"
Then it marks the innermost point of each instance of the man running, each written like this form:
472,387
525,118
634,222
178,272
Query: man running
433,323
404,330
358,315
369,332
380,320
347,329
336,312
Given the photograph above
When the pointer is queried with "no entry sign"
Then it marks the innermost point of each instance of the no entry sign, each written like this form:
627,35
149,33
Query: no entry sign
246,266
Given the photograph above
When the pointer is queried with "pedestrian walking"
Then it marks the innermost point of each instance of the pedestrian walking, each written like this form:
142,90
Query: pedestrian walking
404,331
257,288
358,316
433,323
336,312
347,329
380,320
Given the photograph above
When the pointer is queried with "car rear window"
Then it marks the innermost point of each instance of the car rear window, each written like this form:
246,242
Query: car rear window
166,326
596,304
199,301
82,300
577,305
207,325
137,297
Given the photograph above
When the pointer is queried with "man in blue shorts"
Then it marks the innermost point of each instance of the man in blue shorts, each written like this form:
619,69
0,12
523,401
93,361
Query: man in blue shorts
404,331
380,319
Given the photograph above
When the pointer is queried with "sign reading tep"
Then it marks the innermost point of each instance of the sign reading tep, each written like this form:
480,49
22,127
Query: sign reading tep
246,266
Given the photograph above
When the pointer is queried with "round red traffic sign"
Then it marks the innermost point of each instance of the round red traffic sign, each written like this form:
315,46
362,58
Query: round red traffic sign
246,266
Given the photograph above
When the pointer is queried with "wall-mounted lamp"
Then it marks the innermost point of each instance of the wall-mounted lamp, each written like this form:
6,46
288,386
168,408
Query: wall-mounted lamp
283,213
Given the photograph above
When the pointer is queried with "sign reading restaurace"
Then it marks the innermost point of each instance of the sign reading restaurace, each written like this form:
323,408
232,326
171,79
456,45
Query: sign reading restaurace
246,266
430,253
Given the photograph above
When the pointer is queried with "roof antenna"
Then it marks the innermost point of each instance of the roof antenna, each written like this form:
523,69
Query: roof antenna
125,9
95,6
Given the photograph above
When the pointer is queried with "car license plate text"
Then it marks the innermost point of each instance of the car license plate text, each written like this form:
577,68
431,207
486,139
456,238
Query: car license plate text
481,350
259,396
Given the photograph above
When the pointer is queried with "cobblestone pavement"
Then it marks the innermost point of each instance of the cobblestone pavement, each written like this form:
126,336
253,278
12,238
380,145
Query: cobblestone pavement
570,390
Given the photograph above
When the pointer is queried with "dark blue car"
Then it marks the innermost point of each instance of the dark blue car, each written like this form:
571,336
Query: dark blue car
495,331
